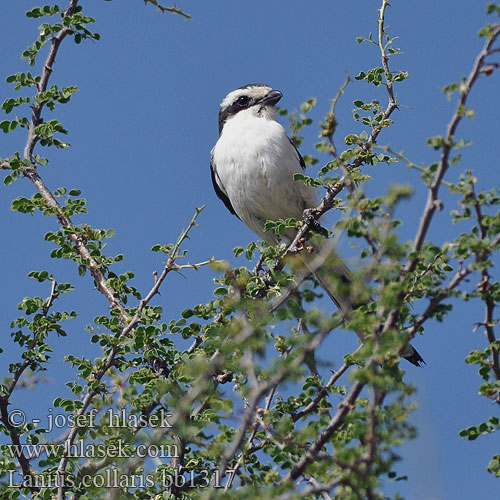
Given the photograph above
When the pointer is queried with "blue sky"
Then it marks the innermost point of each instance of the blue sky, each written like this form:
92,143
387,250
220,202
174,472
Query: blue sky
145,119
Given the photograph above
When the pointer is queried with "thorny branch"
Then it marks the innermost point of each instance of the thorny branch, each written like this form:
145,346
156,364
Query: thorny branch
259,389
32,174
432,198
327,203
321,393
335,423
432,202
485,288
13,431
81,248
174,9
97,376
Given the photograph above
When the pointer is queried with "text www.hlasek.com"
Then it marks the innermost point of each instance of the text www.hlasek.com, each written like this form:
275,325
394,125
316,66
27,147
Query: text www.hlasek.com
115,449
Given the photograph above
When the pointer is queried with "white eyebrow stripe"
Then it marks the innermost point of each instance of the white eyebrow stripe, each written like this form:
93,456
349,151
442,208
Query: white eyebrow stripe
252,91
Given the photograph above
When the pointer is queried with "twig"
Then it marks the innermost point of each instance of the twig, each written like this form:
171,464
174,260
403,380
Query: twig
87,400
314,489
42,84
485,287
24,461
322,392
327,203
432,202
384,56
330,124
169,267
253,449
100,279
50,300
257,393
14,436
338,419
173,9
432,197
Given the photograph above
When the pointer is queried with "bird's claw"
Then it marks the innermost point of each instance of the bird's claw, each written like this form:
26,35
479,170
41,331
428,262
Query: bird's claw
311,221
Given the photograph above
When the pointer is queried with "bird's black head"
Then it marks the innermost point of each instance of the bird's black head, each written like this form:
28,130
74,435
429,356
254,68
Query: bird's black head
255,96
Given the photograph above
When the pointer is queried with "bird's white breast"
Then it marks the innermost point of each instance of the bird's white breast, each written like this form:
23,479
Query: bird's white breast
255,162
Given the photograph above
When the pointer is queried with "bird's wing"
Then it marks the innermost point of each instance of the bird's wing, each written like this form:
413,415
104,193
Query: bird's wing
219,188
301,160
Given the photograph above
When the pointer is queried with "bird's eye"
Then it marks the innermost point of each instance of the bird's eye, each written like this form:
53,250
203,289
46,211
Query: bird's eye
242,100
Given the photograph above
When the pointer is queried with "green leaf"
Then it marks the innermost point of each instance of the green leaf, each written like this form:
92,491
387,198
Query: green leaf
437,142
8,126
351,139
491,8
494,466
238,251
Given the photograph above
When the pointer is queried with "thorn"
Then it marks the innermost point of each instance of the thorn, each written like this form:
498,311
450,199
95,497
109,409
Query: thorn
483,282
345,404
488,70
476,326
439,205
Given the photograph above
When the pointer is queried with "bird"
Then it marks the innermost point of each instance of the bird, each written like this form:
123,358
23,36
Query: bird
252,166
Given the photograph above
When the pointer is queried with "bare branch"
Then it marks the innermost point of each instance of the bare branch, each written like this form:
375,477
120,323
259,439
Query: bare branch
256,394
485,288
14,436
100,279
322,392
327,203
174,9
24,461
432,197
44,80
383,54
335,423
314,489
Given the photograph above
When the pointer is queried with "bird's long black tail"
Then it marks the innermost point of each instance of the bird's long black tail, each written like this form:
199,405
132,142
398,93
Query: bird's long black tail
342,297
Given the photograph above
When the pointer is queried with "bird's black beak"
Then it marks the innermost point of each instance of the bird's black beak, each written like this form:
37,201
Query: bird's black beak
271,98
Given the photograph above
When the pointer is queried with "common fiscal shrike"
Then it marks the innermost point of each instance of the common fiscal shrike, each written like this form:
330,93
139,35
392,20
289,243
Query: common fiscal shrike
253,165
